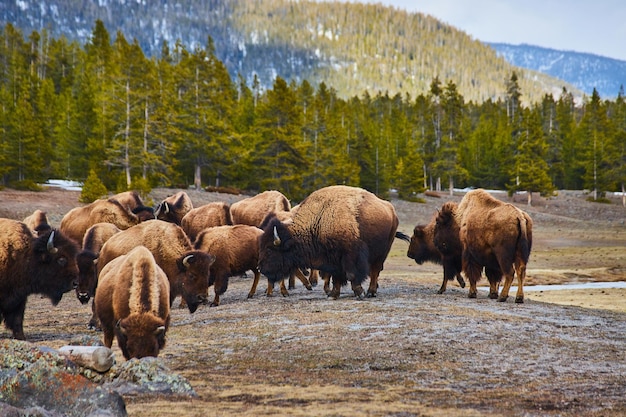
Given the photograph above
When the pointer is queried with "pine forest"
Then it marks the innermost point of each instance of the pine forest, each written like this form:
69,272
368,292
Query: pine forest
107,110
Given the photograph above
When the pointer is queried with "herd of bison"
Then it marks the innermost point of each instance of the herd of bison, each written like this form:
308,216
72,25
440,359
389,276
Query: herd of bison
130,260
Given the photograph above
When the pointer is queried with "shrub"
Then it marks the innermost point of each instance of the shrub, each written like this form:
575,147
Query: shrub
93,189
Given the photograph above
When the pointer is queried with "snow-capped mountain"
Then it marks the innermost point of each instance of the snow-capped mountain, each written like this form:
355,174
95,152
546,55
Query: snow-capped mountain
583,70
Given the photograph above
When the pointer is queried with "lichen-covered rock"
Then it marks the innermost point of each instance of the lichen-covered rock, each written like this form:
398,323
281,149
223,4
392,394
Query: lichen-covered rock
149,376
41,380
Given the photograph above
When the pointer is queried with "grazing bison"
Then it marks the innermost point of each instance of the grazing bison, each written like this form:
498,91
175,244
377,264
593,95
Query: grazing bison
173,208
253,210
494,235
87,259
134,204
45,265
208,215
186,269
37,222
132,303
345,231
423,249
76,221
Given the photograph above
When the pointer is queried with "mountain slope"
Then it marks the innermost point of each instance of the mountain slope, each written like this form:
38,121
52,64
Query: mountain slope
585,71
351,47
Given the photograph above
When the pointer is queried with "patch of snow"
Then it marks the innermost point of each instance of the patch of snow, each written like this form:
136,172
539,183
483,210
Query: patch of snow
64,184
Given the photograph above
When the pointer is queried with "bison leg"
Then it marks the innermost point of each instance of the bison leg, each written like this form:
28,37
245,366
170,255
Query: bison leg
494,276
448,274
374,274
14,320
326,278
303,279
314,276
460,280
255,283
283,289
472,272
94,323
521,275
336,291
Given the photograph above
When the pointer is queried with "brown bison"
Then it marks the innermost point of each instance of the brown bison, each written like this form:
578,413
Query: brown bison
422,249
37,222
173,208
186,269
345,231
76,221
86,260
494,236
253,210
132,303
208,215
134,204
45,265
236,250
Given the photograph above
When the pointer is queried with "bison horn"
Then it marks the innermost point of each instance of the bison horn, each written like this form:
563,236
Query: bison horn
186,260
276,238
50,244
167,208
159,330
119,327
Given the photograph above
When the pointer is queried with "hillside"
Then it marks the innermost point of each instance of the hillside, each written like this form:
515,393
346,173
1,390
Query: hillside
351,47
585,71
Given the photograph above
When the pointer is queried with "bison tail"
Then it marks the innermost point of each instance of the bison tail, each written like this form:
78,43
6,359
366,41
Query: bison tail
524,241
403,236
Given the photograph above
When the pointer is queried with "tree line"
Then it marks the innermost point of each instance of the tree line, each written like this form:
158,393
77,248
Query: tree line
105,109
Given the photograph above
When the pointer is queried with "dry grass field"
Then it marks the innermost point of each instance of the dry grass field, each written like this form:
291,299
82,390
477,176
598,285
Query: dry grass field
407,352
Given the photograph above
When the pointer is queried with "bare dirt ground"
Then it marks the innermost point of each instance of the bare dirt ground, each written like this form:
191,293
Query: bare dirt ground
407,352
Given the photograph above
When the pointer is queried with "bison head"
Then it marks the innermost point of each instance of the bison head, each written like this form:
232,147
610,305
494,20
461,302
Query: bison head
54,270
195,285
141,335
277,257
419,247
87,275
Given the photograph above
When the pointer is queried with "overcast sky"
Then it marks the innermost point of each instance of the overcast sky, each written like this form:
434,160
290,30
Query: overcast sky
594,26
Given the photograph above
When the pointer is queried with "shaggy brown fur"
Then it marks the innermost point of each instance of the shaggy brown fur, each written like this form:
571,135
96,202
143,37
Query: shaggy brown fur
422,249
44,265
173,208
494,235
86,260
253,210
134,204
132,303
343,230
76,221
208,215
186,269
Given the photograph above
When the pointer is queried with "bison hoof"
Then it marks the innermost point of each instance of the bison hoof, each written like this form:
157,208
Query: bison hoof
371,295
250,295
471,295
519,300
494,295
462,284
502,299
441,291
310,288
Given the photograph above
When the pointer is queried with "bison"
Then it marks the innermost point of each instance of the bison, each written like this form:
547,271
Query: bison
87,259
37,222
76,221
493,235
208,215
253,210
45,265
134,204
132,303
422,248
345,231
186,269
173,208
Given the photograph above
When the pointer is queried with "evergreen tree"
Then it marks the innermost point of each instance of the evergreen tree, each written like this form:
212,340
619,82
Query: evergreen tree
530,172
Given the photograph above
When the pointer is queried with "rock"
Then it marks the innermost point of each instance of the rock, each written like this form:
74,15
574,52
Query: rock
45,383
149,376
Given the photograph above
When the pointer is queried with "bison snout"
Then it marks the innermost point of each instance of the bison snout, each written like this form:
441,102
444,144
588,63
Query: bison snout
83,297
